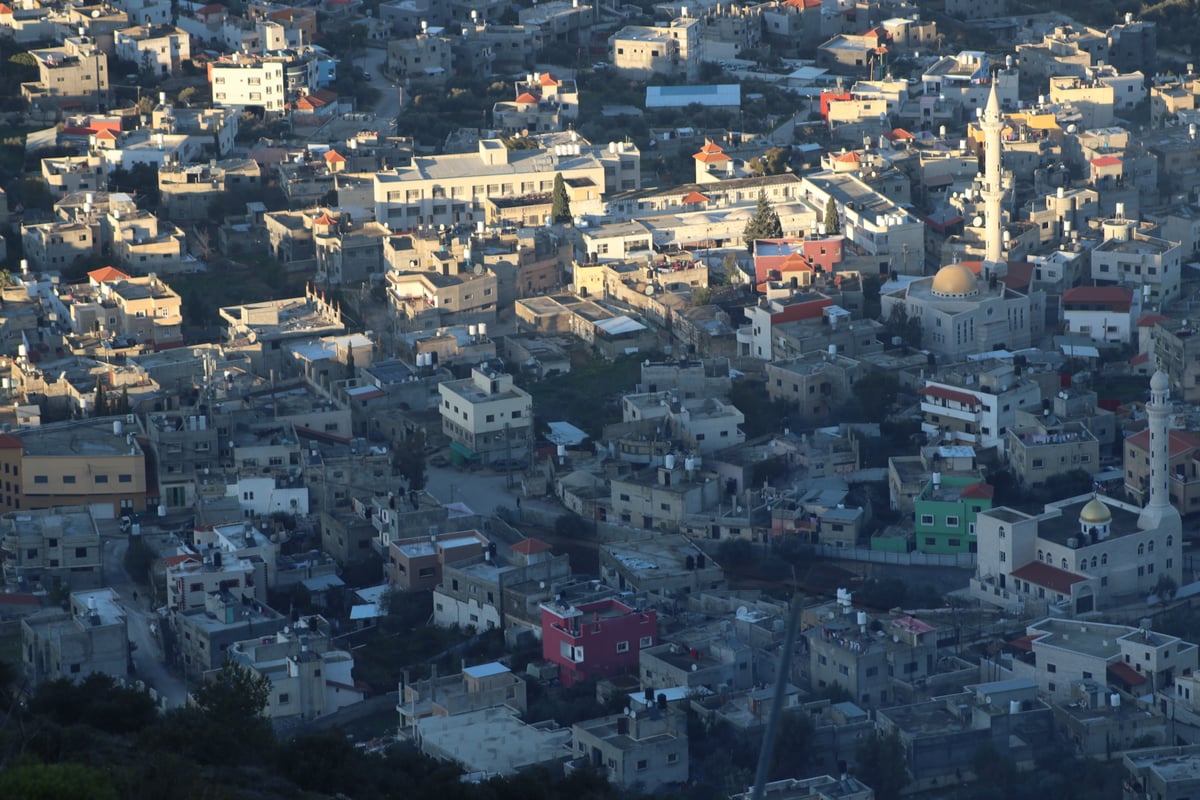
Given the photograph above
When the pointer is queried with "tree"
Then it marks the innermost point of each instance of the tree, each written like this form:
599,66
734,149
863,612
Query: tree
235,694
56,782
764,224
139,558
773,162
560,204
875,393
1165,588
832,225
882,766
101,400
701,296
899,323
410,460
571,526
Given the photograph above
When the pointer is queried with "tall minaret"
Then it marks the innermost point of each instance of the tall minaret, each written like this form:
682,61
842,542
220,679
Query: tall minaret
992,123
1159,513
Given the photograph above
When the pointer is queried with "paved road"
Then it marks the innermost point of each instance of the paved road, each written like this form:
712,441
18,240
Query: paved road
373,62
147,657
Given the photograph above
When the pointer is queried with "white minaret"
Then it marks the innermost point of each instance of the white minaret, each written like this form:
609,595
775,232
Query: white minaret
992,123
1159,513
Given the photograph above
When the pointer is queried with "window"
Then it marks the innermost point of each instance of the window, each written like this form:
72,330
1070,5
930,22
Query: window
101,479
646,641
622,647
641,764
81,552
41,479
1051,668
126,478
672,758
68,478
927,519
951,522
1003,556
490,418
284,699
516,415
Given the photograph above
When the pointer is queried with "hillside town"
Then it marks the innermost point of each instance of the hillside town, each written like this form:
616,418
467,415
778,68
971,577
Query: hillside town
795,399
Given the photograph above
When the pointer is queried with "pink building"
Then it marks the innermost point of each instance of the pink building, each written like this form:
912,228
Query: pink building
822,253
595,639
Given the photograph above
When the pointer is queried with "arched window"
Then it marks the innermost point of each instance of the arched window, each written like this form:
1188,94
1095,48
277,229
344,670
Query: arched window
1150,546
1093,562
1170,540
1103,559
1142,549
1041,556
1064,564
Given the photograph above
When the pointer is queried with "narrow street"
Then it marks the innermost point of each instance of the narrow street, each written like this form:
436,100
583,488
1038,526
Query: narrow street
147,657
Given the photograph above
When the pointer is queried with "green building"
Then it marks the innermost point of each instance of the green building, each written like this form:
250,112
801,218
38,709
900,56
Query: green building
945,513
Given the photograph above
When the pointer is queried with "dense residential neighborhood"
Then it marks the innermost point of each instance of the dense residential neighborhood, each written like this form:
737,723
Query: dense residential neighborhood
793,399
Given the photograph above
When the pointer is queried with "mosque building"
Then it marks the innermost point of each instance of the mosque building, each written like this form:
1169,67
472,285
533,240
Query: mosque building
1089,552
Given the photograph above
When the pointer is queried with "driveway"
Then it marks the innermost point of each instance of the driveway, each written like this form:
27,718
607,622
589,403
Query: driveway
142,621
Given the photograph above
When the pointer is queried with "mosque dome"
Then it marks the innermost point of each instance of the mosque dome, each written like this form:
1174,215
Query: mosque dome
1159,381
1095,513
955,280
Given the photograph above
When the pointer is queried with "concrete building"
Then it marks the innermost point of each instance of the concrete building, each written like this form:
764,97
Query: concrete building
976,405
270,82
601,638
663,497
882,230
646,752
90,637
416,564
1130,258
1181,467
845,652
192,578
66,175
113,305
309,678
186,448
188,192
76,72
945,510
51,549
816,385
160,49
457,295
57,245
206,633
662,565
87,462
492,741
487,417
481,686
1176,350
1164,773
1105,314
261,329
1040,449
1055,653
638,52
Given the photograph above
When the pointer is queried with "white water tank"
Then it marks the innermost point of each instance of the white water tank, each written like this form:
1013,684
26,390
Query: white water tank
1114,700
862,618
118,427
1014,706
689,464
669,461
483,329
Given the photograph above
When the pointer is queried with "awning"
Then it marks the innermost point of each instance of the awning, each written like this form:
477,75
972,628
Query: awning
462,451
1126,675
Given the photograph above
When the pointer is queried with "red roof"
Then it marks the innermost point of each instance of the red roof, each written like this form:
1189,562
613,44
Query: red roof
1150,320
802,3
982,489
695,197
1140,358
9,441
528,547
526,97
898,134
211,8
849,158
5,9
334,157
1104,295
546,79
711,153
1025,642
1180,442
1126,674
174,561
106,274
942,393
324,219
1053,578
1106,161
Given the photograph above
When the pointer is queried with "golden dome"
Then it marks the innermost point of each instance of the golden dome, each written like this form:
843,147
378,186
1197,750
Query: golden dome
955,279
1095,512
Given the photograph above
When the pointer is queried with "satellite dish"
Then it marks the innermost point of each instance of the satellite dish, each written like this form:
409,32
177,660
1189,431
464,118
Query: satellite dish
978,221
1072,128
649,290
95,13
478,269
742,611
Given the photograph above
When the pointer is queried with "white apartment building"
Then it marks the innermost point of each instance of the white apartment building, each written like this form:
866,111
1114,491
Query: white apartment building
1145,263
978,408
248,83
487,417
453,188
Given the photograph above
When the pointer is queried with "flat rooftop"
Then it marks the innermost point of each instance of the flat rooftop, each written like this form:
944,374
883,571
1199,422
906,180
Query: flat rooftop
1066,526
83,437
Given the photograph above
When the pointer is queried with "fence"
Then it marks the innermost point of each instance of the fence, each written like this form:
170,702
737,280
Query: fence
966,560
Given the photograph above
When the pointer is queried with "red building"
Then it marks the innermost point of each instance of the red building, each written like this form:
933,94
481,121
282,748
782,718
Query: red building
775,258
596,639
